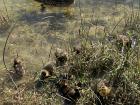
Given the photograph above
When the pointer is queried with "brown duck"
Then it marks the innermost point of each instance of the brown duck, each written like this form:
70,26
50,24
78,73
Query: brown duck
57,3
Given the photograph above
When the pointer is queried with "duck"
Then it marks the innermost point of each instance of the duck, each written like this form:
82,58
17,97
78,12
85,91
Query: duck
57,3
64,6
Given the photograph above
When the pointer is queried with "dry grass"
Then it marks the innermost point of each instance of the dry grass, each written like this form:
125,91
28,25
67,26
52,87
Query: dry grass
36,36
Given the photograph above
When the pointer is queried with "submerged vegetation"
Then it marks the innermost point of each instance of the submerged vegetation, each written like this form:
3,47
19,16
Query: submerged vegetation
84,54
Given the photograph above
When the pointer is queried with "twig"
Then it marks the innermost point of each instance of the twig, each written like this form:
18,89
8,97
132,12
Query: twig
62,97
50,51
6,9
4,49
116,25
96,96
43,64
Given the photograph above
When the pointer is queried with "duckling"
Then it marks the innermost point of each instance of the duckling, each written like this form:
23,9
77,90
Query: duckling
70,93
77,49
18,69
123,42
103,88
123,39
61,57
46,72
